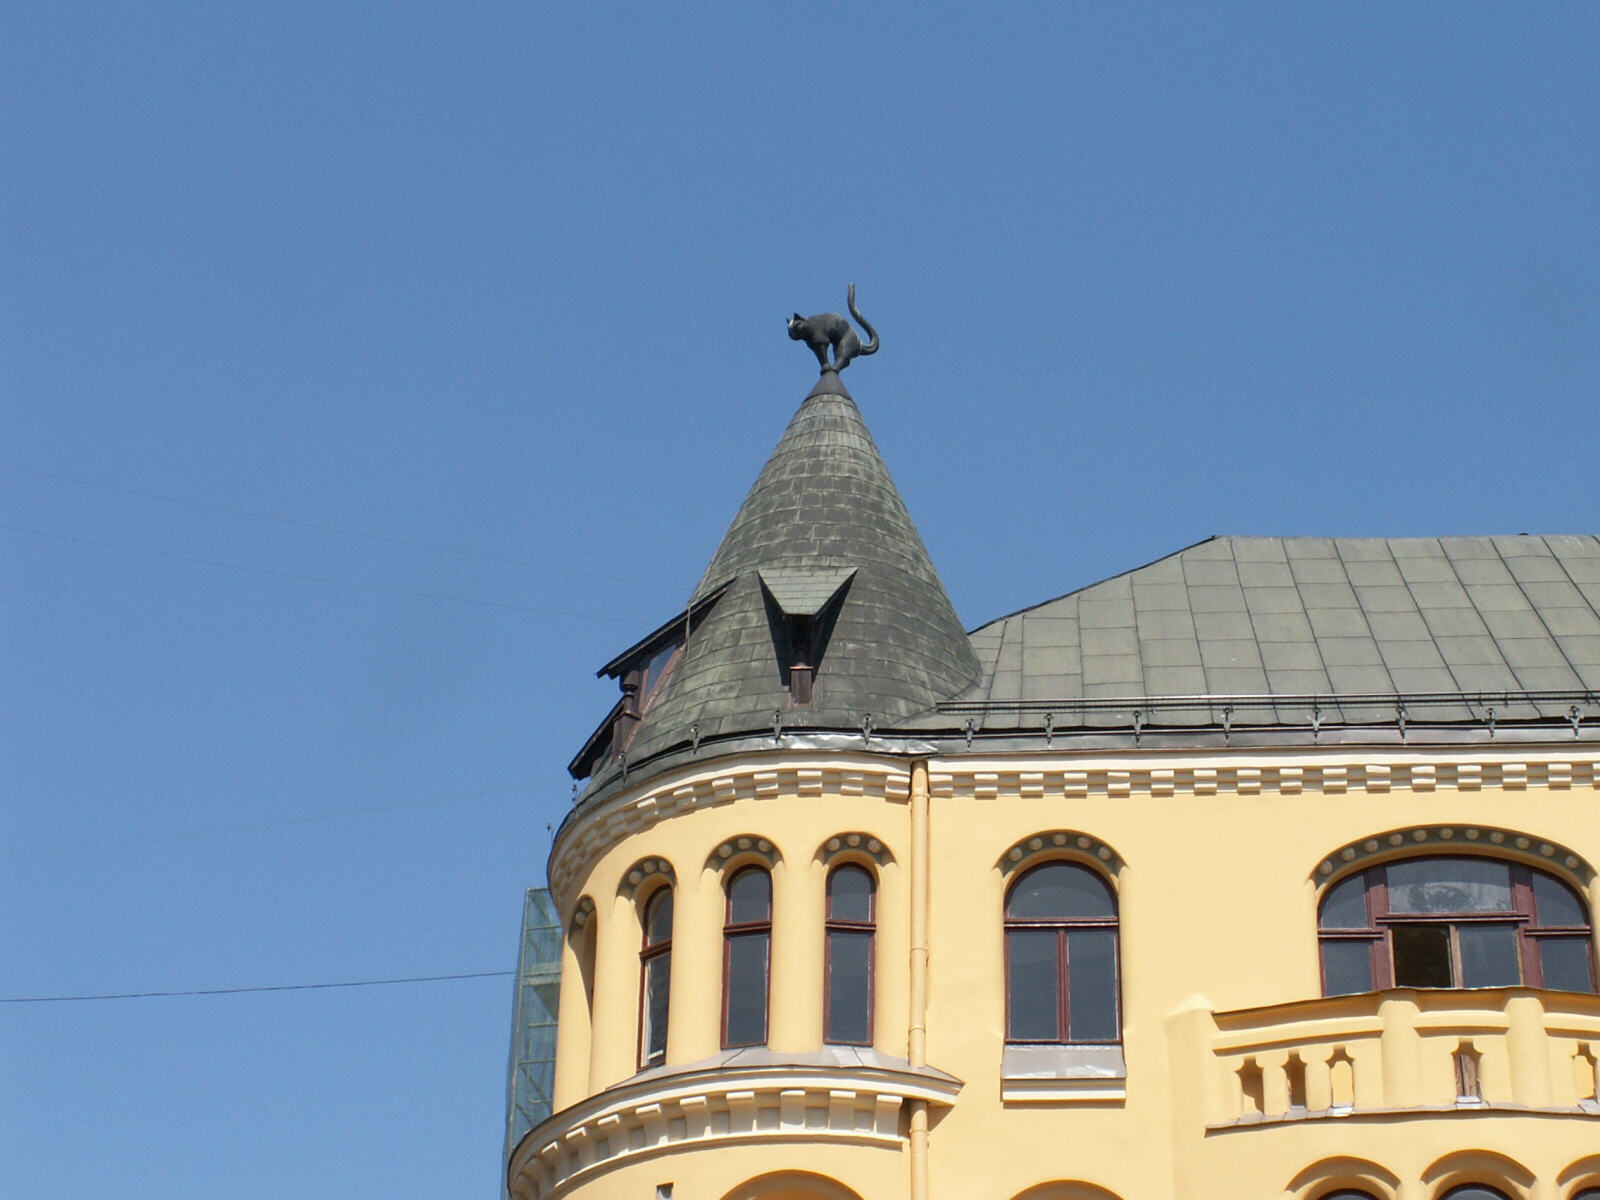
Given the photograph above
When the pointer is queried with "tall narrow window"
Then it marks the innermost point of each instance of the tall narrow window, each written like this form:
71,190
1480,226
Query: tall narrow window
1061,957
655,978
583,950
851,918
1453,922
746,954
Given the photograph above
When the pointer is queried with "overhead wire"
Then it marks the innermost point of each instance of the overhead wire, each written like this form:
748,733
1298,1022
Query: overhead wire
295,522
271,987
76,848
324,579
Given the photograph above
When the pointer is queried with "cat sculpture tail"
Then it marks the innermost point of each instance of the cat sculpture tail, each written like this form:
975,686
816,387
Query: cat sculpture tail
872,346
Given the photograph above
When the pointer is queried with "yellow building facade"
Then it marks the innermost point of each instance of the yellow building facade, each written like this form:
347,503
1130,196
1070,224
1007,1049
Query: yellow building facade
1267,869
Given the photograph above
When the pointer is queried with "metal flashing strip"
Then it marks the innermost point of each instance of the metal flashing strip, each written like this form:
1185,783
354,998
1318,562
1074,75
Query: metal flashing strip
1306,700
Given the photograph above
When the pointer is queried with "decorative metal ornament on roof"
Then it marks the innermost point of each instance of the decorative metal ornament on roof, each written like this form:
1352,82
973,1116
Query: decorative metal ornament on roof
831,329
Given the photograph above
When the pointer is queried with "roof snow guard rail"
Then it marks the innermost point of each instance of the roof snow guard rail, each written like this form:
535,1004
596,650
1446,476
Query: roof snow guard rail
1389,701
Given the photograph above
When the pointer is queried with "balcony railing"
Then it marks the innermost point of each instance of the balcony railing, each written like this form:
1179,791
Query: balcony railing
1500,1048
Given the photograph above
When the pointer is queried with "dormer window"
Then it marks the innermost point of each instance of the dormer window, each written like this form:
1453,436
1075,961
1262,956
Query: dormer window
802,605
642,671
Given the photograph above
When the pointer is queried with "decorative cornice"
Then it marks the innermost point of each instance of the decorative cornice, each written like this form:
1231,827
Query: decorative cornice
1248,773
715,1103
590,832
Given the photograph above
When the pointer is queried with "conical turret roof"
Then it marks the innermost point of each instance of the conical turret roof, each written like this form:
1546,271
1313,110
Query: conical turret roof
822,537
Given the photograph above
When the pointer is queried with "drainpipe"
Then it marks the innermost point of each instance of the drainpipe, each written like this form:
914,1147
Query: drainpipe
917,1048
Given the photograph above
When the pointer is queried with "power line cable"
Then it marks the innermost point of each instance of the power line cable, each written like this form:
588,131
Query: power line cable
295,522
305,578
74,849
236,991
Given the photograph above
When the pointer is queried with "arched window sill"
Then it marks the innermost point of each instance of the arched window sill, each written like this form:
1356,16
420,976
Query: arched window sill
761,1058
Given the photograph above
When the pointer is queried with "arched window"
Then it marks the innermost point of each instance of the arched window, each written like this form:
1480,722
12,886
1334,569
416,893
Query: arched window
746,956
1061,956
655,976
1453,922
1347,1194
851,917
1474,1191
583,952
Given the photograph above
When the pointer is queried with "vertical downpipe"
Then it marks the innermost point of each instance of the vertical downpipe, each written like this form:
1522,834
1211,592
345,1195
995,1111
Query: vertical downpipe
917,1048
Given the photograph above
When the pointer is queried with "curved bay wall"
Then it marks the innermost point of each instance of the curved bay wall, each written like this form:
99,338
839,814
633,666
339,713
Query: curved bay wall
1217,861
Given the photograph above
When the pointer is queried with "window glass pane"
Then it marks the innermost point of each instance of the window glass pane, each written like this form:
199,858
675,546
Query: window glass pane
1346,968
1060,891
850,894
1566,965
1473,1191
749,896
1555,902
747,990
1032,985
652,672
658,917
1345,905
1489,956
1092,985
1348,1195
1449,885
1422,956
849,987
657,971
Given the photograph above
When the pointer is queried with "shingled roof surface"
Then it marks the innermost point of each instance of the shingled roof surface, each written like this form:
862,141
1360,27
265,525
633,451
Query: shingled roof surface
823,505
1292,617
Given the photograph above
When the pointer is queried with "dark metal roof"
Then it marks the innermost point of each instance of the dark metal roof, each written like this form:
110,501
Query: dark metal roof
823,505
1279,625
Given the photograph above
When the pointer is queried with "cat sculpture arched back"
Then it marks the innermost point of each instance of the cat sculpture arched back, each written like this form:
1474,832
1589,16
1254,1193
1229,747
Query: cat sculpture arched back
830,329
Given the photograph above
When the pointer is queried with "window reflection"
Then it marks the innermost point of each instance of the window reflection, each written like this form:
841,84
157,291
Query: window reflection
850,928
1061,957
1453,921
655,958
746,955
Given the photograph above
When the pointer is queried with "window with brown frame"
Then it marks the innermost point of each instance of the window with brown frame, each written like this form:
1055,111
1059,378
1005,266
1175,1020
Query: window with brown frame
1474,1191
1061,957
851,923
1453,922
746,957
655,978
583,952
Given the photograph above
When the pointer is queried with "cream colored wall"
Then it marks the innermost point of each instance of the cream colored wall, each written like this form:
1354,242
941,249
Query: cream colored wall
797,829
1217,896
1218,901
777,1171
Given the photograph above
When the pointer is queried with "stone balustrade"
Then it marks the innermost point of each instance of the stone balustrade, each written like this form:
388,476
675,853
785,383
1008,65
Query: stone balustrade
1502,1048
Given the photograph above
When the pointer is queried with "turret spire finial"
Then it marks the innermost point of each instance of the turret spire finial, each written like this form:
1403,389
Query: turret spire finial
831,329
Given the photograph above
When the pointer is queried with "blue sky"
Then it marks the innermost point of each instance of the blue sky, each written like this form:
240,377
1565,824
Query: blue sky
372,374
